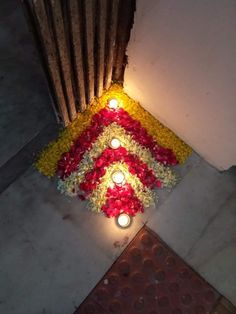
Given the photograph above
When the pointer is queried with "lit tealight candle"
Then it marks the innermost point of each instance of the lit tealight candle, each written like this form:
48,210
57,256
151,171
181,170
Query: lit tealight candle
115,143
123,220
113,103
118,177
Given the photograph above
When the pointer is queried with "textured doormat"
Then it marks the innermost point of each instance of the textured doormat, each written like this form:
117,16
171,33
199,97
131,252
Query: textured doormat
150,278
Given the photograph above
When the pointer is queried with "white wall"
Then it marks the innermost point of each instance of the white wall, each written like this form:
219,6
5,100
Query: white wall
182,68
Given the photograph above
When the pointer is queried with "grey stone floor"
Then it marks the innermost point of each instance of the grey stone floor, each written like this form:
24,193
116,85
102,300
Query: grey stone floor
53,250
23,87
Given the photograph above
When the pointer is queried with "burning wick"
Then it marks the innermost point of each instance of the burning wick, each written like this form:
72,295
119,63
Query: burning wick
118,177
113,103
115,143
123,220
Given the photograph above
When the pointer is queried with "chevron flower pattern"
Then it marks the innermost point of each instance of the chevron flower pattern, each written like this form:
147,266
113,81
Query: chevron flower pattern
86,170
114,161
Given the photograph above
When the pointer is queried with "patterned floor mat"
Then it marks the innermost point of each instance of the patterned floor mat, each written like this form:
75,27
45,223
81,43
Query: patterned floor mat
150,278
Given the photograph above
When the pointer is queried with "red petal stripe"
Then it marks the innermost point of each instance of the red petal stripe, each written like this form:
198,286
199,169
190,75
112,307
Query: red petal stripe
69,161
109,156
121,199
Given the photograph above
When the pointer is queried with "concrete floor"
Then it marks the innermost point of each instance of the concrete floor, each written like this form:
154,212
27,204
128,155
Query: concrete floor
52,249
